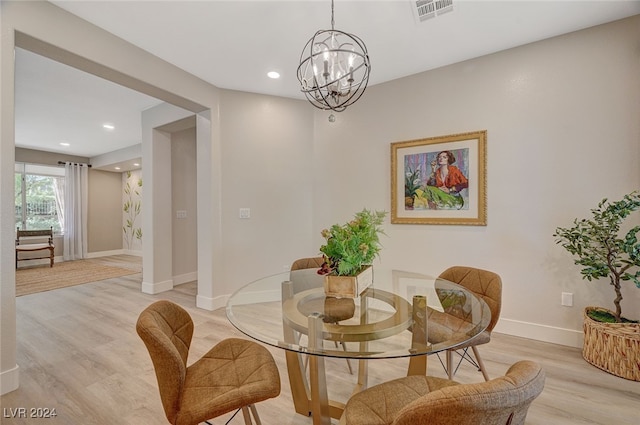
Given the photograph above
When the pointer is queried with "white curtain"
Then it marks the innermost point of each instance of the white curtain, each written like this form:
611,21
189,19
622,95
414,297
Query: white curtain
76,192
58,191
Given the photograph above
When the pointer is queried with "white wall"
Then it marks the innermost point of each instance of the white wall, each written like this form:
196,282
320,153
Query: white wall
563,132
267,156
104,220
183,198
157,250
8,363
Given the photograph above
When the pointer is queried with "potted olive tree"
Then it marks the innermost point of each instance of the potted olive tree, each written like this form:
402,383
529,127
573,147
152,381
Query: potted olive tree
605,251
349,251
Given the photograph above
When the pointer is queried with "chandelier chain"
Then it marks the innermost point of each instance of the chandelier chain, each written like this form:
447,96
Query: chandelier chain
332,20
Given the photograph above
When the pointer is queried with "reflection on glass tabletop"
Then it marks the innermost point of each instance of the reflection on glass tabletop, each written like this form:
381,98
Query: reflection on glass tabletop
383,322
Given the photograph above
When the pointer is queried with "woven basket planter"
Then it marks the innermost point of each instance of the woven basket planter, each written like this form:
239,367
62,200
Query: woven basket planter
612,347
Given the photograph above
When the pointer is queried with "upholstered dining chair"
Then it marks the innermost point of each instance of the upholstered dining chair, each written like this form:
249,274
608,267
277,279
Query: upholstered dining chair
341,308
486,285
307,263
235,374
420,399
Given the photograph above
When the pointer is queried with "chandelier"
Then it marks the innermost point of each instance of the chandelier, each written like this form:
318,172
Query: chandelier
334,69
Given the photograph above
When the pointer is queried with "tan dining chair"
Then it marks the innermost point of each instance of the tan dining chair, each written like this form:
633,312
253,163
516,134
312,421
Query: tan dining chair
234,375
307,263
340,309
486,285
428,400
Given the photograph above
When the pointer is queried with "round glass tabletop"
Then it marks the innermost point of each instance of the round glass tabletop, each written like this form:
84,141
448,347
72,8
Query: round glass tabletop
401,314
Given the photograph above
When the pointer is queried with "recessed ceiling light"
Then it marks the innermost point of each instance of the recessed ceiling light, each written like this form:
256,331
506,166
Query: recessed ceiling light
273,74
117,168
135,164
108,126
65,144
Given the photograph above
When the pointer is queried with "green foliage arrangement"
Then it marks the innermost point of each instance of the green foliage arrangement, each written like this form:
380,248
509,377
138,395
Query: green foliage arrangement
601,250
351,246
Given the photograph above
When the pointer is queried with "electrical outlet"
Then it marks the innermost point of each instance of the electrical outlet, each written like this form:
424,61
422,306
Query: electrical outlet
245,213
181,214
567,299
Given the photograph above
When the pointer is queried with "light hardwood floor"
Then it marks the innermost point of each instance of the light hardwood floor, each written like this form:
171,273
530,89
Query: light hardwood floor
79,354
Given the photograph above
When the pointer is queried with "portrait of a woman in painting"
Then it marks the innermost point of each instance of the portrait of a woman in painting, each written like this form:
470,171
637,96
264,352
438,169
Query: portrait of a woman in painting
434,183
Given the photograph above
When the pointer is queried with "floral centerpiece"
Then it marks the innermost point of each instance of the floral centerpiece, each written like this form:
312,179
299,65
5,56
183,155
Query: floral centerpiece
349,250
353,245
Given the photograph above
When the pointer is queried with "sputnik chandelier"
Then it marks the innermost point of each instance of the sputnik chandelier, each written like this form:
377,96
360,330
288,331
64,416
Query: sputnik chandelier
334,69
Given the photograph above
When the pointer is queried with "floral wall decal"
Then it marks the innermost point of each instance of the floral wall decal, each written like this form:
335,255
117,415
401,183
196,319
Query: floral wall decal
132,204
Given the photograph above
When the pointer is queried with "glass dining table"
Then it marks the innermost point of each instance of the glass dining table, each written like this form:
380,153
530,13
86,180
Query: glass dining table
402,314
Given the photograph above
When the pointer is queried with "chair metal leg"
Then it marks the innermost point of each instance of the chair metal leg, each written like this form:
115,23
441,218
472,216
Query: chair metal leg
464,354
246,415
344,347
255,414
480,363
449,366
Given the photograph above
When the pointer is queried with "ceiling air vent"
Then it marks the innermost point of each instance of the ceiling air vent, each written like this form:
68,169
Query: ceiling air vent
427,9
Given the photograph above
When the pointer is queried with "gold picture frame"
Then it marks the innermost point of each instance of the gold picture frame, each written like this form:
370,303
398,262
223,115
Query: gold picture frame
440,180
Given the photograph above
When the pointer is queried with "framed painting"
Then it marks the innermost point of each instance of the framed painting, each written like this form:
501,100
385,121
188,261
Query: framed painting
409,284
440,180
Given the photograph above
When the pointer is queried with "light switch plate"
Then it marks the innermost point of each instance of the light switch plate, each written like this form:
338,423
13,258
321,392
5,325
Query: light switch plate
567,299
245,213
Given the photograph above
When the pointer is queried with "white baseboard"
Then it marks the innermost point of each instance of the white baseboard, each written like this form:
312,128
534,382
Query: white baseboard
9,380
538,332
211,304
184,278
132,252
156,288
99,254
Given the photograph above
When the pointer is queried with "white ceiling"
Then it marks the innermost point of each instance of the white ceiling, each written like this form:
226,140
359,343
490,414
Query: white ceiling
59,104
233,44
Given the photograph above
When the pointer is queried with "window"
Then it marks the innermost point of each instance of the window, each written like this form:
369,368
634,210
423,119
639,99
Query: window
39,197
